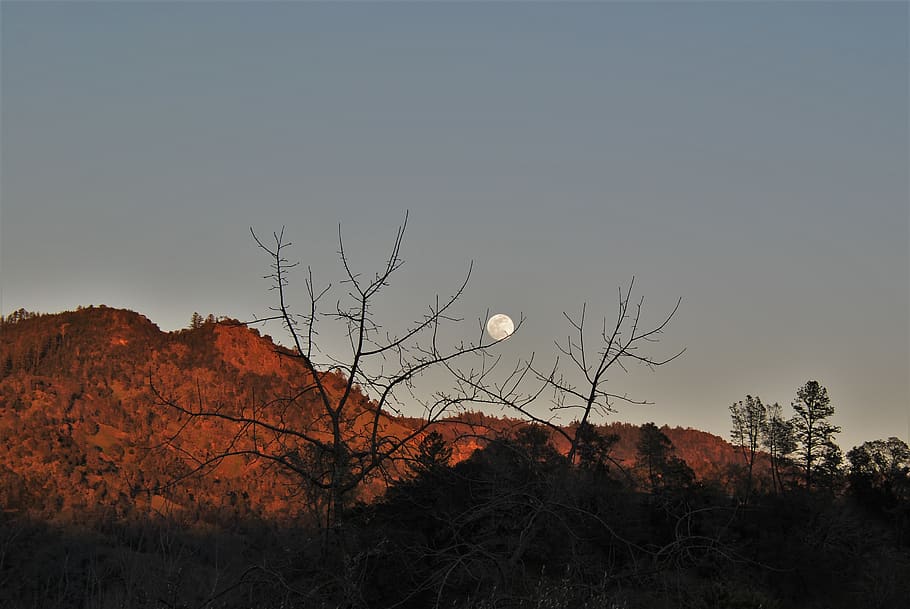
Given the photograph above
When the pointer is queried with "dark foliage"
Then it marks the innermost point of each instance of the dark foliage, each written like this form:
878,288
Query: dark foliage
515,525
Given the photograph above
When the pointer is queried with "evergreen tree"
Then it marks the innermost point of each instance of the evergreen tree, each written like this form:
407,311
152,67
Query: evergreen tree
594,448
433,455
663,470
814,433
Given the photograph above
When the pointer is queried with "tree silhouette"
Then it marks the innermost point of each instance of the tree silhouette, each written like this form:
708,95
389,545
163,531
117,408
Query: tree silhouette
352,395
433,455
819,455
778,438
655,458
594,448
880,472
578,380
749,418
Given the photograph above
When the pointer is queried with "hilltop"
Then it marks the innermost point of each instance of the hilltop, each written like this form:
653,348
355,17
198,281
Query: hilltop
85,429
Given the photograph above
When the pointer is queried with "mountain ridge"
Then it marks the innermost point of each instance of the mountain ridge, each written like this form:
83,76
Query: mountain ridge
83,412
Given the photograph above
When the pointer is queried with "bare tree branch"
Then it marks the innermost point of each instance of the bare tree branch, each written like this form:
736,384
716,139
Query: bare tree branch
346,441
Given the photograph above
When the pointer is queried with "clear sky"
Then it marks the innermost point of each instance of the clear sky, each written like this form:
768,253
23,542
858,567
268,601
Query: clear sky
751,158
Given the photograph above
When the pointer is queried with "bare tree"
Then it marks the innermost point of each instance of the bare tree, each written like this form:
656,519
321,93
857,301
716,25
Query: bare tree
347,440
579,388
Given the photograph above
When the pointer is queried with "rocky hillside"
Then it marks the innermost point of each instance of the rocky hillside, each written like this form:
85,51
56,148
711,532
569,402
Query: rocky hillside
84,426
85,429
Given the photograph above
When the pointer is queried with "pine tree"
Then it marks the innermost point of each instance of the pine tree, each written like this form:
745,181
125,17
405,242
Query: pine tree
433,454
814,433
655,458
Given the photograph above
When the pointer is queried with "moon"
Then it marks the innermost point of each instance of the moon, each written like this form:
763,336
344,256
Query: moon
500,326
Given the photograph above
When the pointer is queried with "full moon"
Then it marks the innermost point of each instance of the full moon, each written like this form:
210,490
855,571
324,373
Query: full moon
500,326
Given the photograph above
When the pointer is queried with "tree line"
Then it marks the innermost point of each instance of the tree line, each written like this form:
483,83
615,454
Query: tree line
805,442
516,524
802,451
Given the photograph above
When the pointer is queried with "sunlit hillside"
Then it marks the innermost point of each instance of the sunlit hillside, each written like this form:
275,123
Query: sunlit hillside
81,399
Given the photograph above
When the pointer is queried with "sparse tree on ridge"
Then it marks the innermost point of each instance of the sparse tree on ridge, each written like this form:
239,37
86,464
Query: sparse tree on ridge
18,315
818,453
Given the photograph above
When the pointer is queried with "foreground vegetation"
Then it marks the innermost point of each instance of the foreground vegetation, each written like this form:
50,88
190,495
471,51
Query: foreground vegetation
515,525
